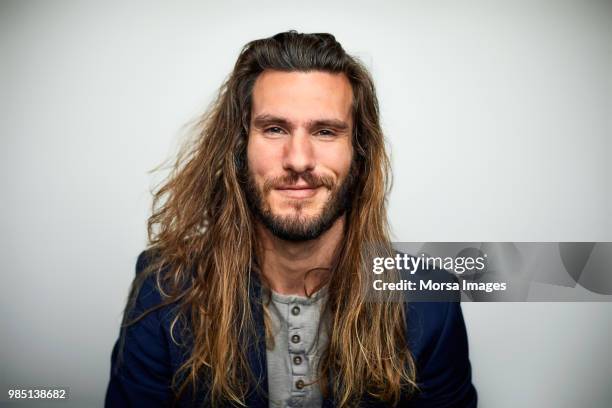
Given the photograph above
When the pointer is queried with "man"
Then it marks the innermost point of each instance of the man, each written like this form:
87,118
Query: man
254,291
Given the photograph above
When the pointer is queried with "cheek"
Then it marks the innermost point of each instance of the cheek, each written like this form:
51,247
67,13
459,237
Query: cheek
337,158
260,157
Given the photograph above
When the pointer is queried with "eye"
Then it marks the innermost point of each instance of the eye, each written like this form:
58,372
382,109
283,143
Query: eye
274,129
325,132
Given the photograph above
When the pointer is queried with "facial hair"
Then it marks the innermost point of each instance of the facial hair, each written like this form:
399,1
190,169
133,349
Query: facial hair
298,227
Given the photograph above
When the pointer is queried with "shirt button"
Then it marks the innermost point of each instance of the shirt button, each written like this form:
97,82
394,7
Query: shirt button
299,384
295,310
295,339
297,360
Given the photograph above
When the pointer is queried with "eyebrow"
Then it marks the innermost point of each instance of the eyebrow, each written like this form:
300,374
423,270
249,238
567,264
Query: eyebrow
263,120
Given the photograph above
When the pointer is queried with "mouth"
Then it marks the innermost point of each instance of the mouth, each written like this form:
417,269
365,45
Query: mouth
298,191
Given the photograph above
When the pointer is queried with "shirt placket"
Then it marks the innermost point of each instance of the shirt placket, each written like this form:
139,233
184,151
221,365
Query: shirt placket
297,353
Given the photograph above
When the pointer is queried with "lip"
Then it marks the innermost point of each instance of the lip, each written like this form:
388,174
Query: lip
298,192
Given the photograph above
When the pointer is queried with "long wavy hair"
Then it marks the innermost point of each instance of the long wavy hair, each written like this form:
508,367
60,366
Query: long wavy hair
203,235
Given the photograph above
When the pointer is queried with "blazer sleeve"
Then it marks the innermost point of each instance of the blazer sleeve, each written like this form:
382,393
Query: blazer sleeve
141,371
444,372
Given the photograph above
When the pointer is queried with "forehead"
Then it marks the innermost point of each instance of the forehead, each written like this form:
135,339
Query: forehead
302,95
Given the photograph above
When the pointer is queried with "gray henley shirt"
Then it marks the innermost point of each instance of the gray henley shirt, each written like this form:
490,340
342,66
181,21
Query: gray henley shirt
292,362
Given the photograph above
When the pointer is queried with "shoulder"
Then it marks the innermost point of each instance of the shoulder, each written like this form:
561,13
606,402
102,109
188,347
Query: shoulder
145,314
438,341
433,308
145,284
437,338
429,323
149,296
144,358
145,298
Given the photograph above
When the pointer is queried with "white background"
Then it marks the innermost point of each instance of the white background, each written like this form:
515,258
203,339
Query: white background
498,116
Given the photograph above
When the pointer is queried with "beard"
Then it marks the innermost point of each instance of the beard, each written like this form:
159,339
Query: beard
299,227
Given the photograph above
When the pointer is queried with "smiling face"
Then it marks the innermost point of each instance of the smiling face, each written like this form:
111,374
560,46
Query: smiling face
299,152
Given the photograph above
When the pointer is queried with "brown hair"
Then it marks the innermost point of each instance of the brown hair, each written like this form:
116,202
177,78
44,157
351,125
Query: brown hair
202,232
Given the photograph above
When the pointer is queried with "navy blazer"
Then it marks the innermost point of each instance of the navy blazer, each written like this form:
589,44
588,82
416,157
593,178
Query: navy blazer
436,335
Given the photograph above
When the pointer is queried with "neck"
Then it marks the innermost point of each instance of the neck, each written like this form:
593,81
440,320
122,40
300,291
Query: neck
285,264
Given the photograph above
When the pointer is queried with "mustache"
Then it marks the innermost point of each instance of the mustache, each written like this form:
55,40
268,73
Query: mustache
311,179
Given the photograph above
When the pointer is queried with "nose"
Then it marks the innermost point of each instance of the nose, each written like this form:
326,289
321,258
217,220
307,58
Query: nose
299,154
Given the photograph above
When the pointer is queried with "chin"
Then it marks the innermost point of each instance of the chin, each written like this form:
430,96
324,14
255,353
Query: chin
303,214
307,208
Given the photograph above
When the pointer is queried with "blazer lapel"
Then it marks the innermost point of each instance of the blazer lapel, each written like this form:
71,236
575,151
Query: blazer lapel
257,395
